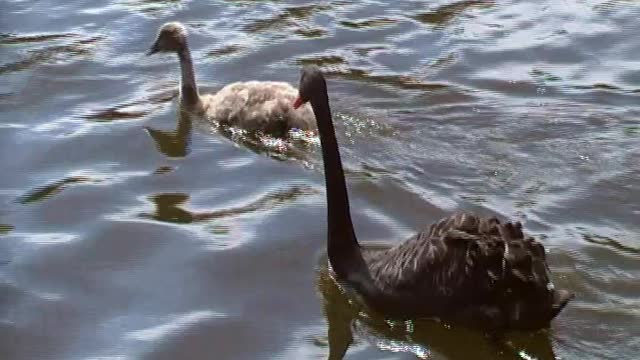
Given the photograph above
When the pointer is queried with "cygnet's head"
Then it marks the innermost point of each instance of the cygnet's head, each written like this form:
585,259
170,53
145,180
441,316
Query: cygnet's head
172,37
312,86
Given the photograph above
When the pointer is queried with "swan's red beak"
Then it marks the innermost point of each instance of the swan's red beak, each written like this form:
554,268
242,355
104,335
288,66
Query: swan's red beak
299,102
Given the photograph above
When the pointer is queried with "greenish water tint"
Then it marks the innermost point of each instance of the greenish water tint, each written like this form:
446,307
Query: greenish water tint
5,228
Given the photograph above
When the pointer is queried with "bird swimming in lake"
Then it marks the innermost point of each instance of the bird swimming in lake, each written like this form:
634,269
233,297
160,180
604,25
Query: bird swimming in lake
464,269
263,106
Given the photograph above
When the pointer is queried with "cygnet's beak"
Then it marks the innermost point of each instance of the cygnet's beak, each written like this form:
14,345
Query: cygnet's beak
154,49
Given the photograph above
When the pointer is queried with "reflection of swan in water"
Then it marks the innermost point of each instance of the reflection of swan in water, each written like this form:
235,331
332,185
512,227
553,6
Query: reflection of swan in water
174,143
427,339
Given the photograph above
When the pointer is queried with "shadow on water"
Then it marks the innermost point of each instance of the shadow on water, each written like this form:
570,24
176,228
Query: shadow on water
610,243
335,66
5,229
443,15
288,17
225,50
368,24
11,39
169,207
44,192
151,7
80,48
426,339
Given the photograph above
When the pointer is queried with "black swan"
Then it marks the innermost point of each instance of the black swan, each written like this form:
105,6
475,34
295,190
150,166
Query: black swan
254,105
464,269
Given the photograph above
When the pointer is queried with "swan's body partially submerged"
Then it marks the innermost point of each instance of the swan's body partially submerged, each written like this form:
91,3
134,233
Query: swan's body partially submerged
470,270
258,106
464,269
263,106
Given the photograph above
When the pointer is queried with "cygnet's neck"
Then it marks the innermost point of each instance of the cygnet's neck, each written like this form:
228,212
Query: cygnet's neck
188,87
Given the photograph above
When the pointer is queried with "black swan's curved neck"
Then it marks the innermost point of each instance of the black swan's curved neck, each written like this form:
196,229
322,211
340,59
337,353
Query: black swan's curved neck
188,87
342,246
341,236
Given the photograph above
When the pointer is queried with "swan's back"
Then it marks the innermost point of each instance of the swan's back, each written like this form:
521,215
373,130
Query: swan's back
259,106
473,270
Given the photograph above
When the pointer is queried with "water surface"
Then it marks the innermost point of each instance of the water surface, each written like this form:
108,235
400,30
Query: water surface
131,231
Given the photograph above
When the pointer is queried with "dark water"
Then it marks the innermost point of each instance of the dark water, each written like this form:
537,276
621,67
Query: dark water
128,231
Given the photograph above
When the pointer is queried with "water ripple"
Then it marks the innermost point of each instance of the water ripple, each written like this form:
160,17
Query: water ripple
131,230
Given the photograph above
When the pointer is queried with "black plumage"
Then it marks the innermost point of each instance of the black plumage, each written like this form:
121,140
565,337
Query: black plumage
464,269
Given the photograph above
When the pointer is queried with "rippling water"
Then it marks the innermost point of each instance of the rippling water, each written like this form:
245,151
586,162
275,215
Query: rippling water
128,230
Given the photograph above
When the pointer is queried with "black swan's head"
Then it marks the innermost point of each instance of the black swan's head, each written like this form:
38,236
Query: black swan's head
312,86
172,37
